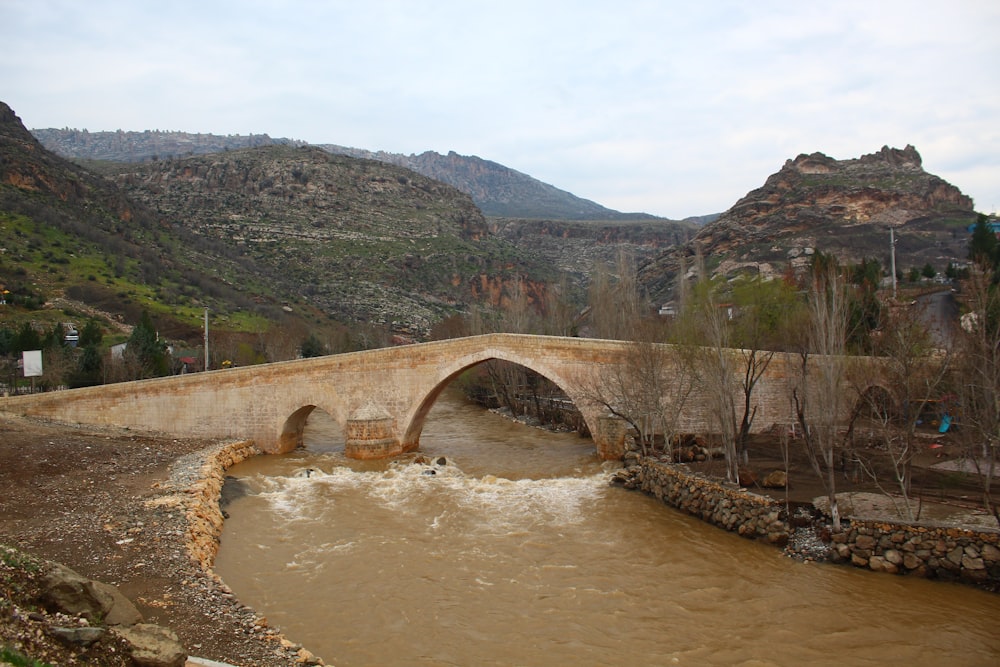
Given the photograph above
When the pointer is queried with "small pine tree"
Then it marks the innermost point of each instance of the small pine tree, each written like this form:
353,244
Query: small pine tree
27,339
312,347
90,334
146,349
983,244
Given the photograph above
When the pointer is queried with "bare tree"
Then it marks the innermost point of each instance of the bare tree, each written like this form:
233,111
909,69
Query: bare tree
978,382
648,389
614,300
913,371
518,389
819,396
558,315
716,366
767,312
735,328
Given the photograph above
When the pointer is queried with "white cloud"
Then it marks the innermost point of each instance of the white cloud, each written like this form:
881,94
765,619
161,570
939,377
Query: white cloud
672,108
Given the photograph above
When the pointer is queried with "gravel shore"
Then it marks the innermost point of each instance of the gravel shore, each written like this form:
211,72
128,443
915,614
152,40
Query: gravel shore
125,509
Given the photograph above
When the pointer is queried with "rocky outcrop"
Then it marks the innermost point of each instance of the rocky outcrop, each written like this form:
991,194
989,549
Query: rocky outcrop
67,591
153,645
844,207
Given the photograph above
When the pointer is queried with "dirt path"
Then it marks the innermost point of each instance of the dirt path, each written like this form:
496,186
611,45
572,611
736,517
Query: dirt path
939,492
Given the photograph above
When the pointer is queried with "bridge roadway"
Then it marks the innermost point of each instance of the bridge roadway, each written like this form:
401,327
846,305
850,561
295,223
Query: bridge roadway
380,397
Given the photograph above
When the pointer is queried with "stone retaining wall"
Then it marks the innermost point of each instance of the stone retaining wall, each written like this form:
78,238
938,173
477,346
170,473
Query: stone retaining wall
937,552
727,506
204,517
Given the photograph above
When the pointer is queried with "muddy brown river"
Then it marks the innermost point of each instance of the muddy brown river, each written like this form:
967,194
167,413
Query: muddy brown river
514,550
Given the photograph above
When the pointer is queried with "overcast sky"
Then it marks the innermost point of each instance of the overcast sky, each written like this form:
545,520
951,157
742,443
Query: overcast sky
670,108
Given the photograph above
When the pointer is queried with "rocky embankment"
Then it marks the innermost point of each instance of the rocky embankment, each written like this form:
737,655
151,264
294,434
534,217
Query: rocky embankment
962,553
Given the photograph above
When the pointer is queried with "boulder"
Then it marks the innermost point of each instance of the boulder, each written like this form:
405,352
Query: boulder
71,593
776,479
747,477
153,645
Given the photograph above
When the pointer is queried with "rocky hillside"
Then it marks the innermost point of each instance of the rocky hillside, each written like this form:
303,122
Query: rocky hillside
358,239
844,207
497,190
569,233
67,232
577,247
121,146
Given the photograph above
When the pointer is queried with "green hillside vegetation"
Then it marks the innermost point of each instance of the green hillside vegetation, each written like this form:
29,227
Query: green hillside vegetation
291,251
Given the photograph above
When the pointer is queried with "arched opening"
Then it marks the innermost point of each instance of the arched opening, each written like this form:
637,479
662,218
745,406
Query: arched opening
311,428
322,433
510,388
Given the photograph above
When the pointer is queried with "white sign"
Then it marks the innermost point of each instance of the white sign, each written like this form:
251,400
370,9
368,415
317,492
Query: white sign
32,363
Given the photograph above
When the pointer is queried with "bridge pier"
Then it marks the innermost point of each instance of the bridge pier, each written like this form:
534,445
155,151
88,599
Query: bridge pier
610,437
371,435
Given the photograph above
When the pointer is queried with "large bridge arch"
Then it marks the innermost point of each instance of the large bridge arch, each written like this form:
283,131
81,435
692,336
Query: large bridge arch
426,397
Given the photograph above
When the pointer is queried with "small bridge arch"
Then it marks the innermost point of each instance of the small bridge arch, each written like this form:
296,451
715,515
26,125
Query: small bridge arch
292,431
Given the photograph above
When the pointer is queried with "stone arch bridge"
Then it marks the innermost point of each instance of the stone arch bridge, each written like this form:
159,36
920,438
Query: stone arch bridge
380,397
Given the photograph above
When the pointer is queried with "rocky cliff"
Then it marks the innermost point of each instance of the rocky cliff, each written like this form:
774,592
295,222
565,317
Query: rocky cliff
844,207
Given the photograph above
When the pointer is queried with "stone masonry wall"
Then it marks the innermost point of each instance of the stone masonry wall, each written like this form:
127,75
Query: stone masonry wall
742,512
936,552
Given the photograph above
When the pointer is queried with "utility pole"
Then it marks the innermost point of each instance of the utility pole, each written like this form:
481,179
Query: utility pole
206,339
892,247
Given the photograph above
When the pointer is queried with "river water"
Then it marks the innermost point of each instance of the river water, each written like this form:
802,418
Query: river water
513,550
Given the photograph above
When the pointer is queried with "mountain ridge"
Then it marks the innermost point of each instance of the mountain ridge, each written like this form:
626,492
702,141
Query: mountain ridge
498,190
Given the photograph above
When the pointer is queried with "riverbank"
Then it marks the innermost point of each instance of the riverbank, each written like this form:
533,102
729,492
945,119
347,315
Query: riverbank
114,506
